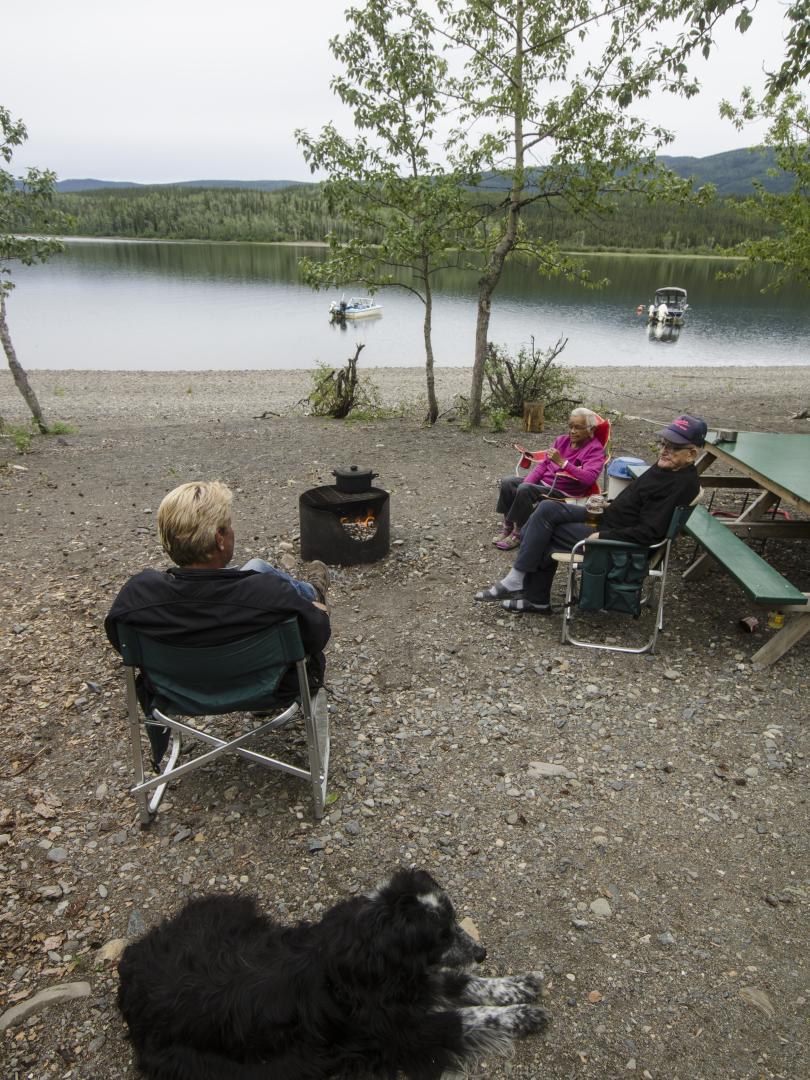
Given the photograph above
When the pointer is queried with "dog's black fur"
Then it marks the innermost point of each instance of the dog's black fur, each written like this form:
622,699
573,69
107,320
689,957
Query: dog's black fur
379,987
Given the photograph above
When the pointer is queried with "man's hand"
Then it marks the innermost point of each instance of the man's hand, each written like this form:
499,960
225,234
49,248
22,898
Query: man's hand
554,455
593,536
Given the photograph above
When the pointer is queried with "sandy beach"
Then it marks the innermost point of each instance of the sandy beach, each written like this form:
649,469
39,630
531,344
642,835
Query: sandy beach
656,872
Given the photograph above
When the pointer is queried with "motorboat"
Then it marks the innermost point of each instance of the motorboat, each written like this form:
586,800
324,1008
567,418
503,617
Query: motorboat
356,307
669,306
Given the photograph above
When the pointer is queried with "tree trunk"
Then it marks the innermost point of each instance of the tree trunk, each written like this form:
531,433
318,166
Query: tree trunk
17,371
492,274
433,405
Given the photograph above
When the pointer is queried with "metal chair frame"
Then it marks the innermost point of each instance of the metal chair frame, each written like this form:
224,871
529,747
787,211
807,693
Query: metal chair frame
656,575
313,709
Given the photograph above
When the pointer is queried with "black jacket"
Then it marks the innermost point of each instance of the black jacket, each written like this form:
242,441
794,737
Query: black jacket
212,607
642,512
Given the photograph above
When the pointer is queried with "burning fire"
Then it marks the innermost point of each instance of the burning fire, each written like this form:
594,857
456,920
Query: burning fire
362,527
367,521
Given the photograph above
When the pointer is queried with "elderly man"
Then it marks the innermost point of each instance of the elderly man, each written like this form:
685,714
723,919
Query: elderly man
641,515
201,601
570,467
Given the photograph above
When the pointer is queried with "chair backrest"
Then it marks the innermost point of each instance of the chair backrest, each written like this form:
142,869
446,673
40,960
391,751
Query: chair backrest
602,430
242,675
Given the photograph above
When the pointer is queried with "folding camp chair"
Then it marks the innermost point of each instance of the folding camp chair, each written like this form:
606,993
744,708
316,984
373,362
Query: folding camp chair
527,459
242,676
612,575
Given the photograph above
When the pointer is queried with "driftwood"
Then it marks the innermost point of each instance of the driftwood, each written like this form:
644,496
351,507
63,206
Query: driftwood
337,391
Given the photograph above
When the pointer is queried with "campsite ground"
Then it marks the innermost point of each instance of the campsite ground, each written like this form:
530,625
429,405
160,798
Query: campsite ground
661,884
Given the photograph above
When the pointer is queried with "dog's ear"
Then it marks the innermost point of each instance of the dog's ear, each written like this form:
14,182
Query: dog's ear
407,882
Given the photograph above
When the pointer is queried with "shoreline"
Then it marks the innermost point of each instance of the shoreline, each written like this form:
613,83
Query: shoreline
757,398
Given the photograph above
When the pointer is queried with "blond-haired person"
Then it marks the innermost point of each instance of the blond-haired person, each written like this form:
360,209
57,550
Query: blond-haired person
202,601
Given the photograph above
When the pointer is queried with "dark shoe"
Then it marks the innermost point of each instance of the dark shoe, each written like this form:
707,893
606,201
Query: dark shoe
523,607
317,574
497,592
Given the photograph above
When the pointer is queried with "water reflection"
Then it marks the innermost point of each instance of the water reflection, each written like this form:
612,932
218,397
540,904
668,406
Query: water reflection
666,334
113,304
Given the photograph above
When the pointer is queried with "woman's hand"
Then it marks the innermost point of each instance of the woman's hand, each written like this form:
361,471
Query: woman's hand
554,455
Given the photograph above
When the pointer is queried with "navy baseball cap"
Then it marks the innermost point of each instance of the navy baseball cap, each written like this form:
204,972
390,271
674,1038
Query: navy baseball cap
685,430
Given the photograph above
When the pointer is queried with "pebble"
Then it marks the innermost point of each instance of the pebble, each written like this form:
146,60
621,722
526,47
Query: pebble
136,925
666,939
547,769
53,995
601,907
110,951
50,892
57,855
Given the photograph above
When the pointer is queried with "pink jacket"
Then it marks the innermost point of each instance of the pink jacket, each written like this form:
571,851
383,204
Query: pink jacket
584,464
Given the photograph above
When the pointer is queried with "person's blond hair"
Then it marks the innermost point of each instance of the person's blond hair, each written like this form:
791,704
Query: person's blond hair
188,519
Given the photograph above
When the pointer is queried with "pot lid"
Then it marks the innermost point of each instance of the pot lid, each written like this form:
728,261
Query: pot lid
352,470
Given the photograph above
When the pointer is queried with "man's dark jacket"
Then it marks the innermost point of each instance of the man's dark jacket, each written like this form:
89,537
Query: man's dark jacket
212,607
642,512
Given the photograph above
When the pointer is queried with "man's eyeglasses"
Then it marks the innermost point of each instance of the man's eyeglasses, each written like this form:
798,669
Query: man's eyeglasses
673,448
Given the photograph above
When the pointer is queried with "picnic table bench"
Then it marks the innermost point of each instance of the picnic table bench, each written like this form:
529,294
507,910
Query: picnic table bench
759,579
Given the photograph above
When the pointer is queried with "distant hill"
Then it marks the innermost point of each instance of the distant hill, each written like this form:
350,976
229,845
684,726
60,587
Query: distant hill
71,186
732,173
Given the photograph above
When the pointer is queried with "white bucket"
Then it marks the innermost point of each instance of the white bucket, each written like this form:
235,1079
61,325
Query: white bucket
616,484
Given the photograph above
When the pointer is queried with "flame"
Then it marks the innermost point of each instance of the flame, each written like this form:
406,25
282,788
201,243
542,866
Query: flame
366,520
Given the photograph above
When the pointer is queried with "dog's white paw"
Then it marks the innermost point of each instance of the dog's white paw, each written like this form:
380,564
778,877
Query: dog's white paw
529,1019
529,985
509,990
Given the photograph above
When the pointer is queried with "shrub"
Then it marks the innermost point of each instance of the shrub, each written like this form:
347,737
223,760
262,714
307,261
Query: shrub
531,376
336,393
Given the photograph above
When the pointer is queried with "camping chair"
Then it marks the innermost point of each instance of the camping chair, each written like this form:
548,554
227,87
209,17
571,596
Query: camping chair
241,676
613,575
527,459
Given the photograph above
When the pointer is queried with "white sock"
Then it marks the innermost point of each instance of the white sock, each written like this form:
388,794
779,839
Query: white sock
514,580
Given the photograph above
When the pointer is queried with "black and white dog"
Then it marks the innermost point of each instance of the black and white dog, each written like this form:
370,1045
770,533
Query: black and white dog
380,987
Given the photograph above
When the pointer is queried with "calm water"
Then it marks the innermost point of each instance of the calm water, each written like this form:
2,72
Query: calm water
165,306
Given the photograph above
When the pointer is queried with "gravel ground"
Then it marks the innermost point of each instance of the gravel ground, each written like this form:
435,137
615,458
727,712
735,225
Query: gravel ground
660,880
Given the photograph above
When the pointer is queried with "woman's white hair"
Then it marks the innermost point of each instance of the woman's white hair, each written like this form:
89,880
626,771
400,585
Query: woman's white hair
588,415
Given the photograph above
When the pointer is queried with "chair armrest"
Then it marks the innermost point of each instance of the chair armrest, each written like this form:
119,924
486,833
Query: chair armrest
626,545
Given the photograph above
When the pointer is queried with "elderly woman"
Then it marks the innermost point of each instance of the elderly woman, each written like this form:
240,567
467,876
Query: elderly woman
568,470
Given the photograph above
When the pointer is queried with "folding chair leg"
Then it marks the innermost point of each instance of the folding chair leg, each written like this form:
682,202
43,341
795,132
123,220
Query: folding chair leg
316,722
136,750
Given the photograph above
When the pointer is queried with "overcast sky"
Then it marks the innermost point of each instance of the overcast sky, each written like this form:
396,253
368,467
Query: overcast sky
166,90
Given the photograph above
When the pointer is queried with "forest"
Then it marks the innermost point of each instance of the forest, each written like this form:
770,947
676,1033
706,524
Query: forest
301,213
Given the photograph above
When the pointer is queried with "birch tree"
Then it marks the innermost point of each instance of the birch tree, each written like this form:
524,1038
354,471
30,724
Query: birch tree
543,93
409,212
26,205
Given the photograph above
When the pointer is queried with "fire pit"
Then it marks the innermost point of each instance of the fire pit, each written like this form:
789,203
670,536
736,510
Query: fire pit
345,528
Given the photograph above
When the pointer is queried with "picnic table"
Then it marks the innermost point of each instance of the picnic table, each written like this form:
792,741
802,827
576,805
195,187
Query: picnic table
777,468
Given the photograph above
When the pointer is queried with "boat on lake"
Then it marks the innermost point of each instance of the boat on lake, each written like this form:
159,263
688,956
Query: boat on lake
669,306
356,307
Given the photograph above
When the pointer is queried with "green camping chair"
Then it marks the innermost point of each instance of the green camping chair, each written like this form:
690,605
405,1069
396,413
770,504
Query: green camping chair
612,575
242,676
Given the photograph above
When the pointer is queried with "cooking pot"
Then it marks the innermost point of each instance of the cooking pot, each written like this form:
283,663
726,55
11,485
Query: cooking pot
353,479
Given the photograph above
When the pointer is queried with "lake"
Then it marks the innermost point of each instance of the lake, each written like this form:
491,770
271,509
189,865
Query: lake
116,305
